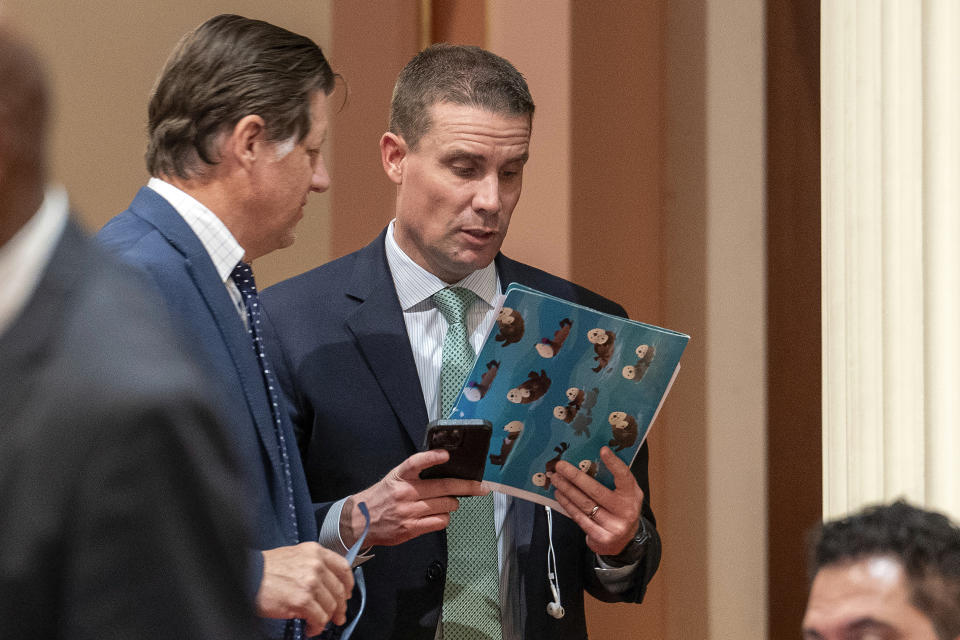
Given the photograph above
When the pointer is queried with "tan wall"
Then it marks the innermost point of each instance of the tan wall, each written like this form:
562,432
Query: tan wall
103,57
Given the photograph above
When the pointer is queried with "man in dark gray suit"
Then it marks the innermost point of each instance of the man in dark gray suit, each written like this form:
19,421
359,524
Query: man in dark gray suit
119,493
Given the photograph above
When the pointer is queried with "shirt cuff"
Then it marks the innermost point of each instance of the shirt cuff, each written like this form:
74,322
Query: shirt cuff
330,534
615,579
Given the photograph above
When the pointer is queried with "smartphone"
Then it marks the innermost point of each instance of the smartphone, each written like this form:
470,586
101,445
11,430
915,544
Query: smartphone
467,440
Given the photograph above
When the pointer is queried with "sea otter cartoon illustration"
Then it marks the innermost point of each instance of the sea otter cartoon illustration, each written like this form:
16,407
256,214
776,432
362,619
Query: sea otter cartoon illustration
531,389
624,429
603,342
581,399
543,479
589,467
476,390
549,348
565,413
645,354
577,413
511,326
575,397
514,430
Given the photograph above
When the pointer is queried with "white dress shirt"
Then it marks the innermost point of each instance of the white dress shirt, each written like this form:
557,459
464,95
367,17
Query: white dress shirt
219,243
24,257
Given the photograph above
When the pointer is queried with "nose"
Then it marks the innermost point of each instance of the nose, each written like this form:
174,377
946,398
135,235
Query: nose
320,180
487,197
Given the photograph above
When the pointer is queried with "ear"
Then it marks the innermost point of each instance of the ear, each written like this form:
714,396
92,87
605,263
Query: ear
247,141
393,152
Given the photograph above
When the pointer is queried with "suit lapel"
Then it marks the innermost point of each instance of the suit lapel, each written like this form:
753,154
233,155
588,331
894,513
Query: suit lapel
158,212
378,326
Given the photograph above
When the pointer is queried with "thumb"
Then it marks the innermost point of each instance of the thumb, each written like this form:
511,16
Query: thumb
410,468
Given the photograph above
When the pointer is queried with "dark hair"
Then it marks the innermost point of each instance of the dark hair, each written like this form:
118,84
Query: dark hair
228,68
925,543
458,74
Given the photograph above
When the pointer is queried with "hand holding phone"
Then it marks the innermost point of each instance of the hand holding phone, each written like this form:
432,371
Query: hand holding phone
467,440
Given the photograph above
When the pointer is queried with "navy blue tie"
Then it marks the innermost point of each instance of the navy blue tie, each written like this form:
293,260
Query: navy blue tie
243,277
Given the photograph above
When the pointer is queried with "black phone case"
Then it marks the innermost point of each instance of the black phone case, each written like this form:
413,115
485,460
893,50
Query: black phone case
467,441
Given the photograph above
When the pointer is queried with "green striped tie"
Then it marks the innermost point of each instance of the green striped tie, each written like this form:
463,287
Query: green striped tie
471,601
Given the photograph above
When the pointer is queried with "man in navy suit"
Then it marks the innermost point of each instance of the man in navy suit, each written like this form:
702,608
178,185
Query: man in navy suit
236,122
119,513
361,341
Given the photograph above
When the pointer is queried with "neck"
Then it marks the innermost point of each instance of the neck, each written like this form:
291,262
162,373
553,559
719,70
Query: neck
221,198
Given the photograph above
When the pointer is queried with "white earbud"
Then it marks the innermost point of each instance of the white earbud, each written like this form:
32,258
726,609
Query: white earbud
555,608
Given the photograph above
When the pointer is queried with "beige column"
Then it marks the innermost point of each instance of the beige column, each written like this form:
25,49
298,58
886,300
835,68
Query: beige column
890,98
735,304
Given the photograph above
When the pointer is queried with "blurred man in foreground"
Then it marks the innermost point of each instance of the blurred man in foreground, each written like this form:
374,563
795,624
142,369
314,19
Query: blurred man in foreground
889,571
118,511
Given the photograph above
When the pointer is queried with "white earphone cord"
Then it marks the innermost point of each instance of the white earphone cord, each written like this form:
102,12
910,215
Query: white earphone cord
555,608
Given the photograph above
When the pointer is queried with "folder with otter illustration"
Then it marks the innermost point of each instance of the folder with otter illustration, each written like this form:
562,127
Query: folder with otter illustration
559,381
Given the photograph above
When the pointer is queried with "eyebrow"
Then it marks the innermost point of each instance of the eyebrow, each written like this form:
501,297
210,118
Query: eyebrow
461,154
870,624
859,626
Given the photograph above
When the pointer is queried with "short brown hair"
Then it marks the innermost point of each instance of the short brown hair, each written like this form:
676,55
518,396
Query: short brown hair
228,68
458,74
925,543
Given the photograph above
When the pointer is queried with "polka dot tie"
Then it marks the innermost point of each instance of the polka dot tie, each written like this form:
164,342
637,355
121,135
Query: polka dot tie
242,275
471,601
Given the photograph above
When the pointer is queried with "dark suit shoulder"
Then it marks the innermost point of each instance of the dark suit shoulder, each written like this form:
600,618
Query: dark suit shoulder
133,240
118,339
116,430
513,271
332,275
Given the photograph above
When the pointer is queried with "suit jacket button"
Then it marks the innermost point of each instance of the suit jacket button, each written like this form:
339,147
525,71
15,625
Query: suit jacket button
435,571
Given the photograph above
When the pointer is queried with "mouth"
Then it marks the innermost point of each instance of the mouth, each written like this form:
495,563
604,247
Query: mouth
480,234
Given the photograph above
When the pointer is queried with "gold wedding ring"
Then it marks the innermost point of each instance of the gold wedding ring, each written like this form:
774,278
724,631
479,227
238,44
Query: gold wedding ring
593,512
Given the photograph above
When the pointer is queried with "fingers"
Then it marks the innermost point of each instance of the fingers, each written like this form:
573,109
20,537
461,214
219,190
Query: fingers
572,493
339,572
456,487
333,586
609,518
578,505
315,617
402,506
305,581
337,585
583,483
622,476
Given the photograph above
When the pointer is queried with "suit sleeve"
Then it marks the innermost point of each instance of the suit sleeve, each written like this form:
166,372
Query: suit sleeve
651,559
299,417
158,528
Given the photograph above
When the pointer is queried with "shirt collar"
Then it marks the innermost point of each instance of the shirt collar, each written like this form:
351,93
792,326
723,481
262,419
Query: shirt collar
415,285
219,243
